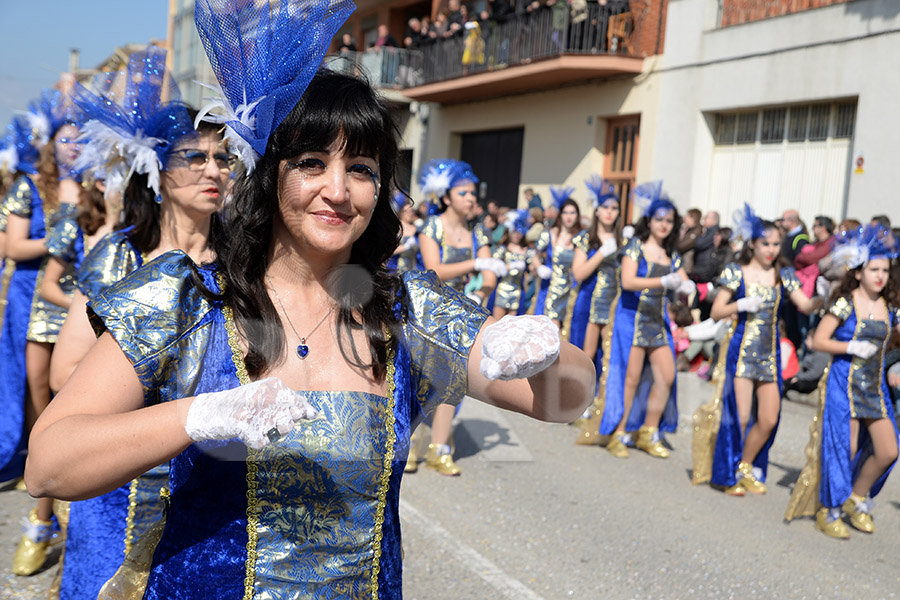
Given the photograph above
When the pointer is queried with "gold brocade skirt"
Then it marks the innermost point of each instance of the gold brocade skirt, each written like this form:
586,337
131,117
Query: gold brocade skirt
707,419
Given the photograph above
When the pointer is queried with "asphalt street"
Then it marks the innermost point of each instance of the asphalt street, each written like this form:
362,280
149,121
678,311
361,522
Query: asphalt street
533,516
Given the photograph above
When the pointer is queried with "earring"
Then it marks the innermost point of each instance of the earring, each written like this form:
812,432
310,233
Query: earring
158,198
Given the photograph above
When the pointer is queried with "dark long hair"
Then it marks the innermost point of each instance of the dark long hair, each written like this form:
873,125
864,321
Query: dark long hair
91,208
849,282
558,224
642,231
334,107
594,239
142,211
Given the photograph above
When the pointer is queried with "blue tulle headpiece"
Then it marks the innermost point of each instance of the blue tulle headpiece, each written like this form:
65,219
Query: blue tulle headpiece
21,147
264,55
855,247
137,133
601,191
748,225
50,112
440,175
652,200
518,220
561,194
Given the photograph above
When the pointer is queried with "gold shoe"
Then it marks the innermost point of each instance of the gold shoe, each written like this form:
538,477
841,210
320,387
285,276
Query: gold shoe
590,427
617,447
859,515
443,462
749,480
735,490
833,529
648,441
20,485
412,464
32,550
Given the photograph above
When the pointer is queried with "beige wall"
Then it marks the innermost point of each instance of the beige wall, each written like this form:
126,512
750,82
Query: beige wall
564,134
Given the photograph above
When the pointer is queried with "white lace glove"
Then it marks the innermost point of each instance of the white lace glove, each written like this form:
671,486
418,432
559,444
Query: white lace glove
750,304
671,281
516,265
544,272
257,413
495,265
608,247
823,287
687,287
862,349
518,347
627,232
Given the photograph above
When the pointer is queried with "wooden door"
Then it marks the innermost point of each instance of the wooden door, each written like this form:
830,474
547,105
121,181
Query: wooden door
620,159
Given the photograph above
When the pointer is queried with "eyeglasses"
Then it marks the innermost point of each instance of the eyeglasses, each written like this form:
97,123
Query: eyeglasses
196,160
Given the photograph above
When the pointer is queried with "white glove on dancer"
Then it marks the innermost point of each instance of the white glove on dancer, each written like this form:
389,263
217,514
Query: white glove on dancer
257,413
608,247
627,232
518,347
671,281
544,272
862,349
517,265
750,304
495,265
687,287
823,287
410,243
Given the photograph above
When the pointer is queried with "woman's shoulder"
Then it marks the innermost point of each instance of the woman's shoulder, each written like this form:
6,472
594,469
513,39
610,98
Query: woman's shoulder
433,228
110,260
19,197
634,248
582,240
62,237
842,307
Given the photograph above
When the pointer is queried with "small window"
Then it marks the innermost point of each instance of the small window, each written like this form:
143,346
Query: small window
798,122
725,128
819,119
773,126
746,127
845,117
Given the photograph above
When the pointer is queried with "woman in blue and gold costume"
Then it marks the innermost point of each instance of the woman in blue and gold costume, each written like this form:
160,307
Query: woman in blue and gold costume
553,294
406,257
733,433
853,438
595,269
275,493
637,383
176,215
454,253
514,252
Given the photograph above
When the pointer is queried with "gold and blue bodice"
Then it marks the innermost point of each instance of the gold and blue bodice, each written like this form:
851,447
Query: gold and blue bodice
560,282
605,289
314,515
510,286
407,260
434,229
111,260
863,379
756,334
648,307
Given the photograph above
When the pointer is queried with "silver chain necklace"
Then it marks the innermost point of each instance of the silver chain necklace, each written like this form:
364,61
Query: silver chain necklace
302,349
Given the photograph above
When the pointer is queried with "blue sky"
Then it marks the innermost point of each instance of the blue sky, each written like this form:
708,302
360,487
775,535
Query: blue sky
38,34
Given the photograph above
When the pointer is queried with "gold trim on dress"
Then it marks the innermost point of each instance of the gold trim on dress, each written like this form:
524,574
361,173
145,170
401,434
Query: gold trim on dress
129,519
708,417
590,431
804,501
570,305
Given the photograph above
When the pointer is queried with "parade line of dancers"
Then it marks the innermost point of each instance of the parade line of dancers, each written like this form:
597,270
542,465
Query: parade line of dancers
222,329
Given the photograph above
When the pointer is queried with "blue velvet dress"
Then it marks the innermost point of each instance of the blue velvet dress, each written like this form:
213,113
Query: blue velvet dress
103,529
852,388
24,201
641,319
753,352
314,515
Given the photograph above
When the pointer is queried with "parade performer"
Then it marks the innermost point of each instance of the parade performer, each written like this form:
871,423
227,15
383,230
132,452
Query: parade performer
454,253
171,200
735,430
515,253
553,295
306,502
853,438
595,268
637,382
406,257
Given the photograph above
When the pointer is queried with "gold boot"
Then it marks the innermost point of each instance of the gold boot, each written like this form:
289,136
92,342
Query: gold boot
832,528
617,447
648,441
440,458
735,490
856,509
590,427
749,481
32,550
412,462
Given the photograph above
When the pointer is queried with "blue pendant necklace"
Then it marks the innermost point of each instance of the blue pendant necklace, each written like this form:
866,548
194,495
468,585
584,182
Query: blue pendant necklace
302,349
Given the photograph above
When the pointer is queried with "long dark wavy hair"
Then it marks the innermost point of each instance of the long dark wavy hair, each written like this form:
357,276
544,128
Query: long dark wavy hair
594,239
849,282
334,107
91,208
642,231
142,211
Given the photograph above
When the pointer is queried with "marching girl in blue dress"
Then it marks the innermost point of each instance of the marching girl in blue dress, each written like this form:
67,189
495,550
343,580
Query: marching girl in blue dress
637,384
732,440
595,269
406,257
853,438
553,295
514,252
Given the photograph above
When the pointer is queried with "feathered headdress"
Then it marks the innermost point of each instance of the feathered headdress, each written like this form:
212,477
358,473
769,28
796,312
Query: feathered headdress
22,149
518,220
264,55
748,225
440,175
136,134
601,190
9,157
561,194
854,248
651,199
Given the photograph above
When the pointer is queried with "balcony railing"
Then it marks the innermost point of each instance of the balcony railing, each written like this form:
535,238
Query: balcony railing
611,29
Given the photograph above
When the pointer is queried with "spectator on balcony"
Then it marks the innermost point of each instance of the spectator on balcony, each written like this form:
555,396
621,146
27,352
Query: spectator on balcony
347,44
457,16
385,39
501,10
441,26
414,34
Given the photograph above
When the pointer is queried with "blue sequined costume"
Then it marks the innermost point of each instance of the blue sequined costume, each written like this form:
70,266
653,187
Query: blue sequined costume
408,260
314,515
640,319
511,287
434,229
47,318
853,388
539,299
591,300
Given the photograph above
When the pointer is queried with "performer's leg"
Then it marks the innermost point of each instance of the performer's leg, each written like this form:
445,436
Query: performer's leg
632,378
768,405
592,339
663,368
